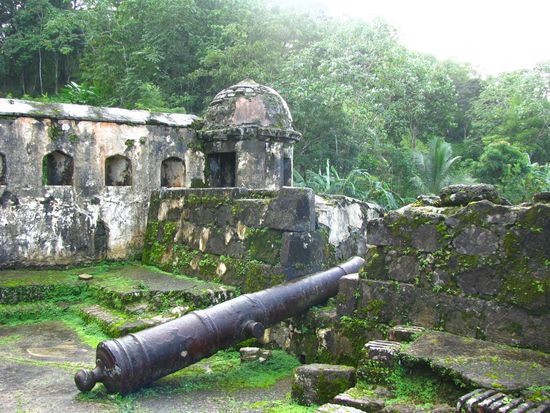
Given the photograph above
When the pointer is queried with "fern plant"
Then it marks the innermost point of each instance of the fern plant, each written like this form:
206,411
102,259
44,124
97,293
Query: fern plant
358,183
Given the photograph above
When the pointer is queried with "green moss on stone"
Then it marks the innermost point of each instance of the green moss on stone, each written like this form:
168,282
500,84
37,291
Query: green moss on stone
375,267
264,244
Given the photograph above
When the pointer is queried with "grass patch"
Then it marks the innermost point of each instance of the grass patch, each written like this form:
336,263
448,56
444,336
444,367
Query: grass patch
279,406
225,371
420,386
19,314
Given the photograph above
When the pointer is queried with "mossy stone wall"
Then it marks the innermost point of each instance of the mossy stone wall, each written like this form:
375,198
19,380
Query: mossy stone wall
480,270
252,239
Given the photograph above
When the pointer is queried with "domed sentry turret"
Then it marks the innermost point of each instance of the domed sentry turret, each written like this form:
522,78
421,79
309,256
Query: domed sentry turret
248,138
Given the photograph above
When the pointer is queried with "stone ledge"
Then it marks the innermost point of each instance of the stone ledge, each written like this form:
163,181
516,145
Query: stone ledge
481,363
25,108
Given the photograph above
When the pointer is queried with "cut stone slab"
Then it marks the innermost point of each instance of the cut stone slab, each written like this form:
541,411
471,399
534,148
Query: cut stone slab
320,383
404,333
406,408
366,400
379,357
249,354
482,363
336,408
117,326
491,401
455,195
101,315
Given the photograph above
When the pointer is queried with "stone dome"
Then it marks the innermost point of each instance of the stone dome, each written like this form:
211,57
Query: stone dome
248,104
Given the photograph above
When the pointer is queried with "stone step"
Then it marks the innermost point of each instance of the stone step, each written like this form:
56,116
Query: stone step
133,284
480,363
122,286
379,358
366,400
24,285
117,325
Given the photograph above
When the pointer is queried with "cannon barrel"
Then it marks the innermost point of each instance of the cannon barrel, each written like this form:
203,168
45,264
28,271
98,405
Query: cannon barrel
126,364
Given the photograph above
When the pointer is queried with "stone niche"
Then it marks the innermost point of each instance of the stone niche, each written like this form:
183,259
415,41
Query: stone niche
248,138
253,238
474,268
75,181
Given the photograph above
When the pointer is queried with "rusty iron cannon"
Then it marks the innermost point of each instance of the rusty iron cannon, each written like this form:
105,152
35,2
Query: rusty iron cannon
126,364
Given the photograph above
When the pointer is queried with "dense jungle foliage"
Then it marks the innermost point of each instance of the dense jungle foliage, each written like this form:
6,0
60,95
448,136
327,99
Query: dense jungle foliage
380,122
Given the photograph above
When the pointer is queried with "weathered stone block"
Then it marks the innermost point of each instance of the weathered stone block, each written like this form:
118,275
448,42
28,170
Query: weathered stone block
404,333
303,249
337,408
479,282
426,237
319,383
370,401
476,241
399,303
455,195
402,268
292,210
379,233
249,354
378,360
542,197
346,300
251,212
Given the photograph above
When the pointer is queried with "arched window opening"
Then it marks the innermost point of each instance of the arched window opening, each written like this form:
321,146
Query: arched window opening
118,171
57,169
3,169
172,173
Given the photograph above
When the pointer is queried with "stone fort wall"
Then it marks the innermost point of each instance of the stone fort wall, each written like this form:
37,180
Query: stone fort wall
76,180
253,239
479,269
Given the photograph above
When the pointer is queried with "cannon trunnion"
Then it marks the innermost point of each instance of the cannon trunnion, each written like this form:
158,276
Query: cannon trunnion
126,364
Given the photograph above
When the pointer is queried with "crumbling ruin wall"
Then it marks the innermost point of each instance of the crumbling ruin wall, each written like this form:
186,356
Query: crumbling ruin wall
252,238
478,269
76,180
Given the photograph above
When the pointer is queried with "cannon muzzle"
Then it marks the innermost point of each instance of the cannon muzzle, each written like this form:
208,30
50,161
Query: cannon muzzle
126,364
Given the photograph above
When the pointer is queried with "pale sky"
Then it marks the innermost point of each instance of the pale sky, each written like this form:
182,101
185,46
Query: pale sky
492,35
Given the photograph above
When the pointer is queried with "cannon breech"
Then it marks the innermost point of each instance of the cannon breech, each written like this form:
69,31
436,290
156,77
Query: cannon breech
128,363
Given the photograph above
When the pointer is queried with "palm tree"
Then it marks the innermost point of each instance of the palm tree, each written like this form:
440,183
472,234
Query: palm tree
434,167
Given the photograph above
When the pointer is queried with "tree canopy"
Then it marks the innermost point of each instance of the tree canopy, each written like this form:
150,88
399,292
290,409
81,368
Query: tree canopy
364,103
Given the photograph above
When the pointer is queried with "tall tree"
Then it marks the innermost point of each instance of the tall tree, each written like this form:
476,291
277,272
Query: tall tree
515,107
